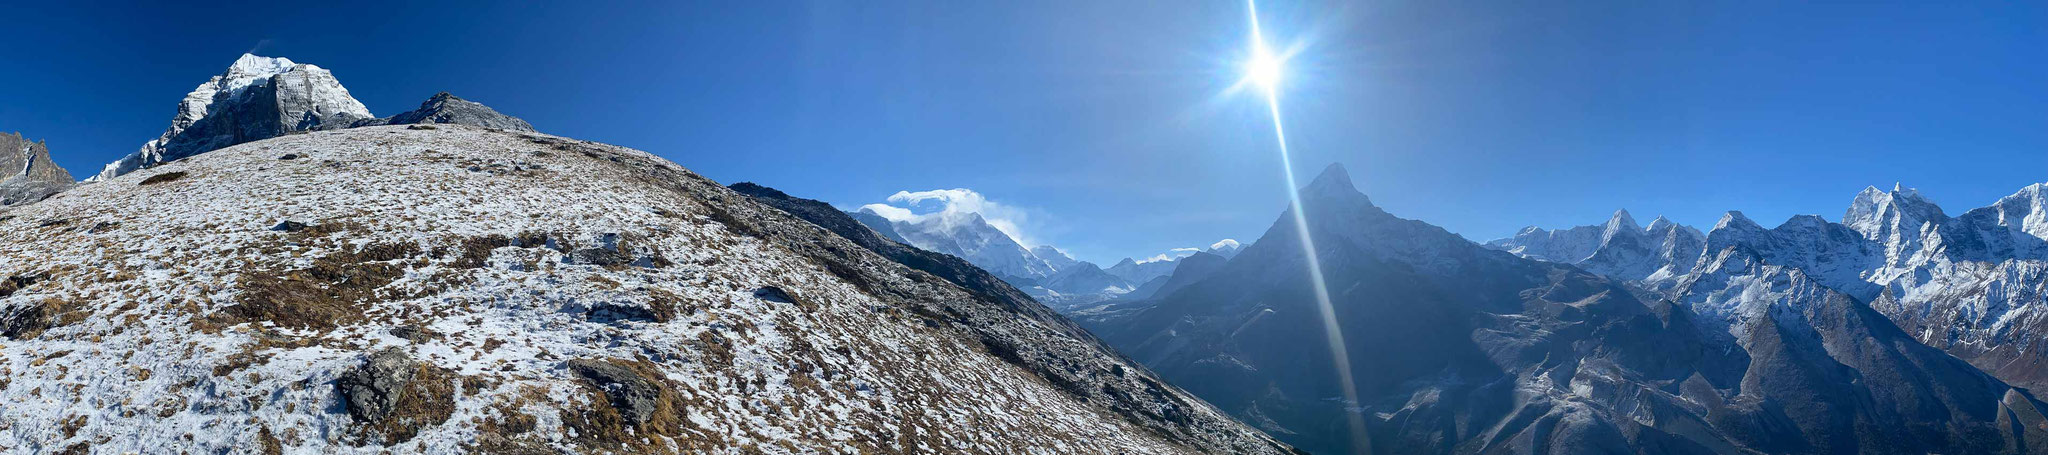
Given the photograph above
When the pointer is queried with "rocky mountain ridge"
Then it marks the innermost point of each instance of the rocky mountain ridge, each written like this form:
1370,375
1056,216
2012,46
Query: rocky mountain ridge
1972,285
29,175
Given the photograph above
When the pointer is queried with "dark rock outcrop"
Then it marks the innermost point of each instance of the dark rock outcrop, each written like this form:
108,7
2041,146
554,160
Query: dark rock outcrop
447,108
26,172
396,395
634,396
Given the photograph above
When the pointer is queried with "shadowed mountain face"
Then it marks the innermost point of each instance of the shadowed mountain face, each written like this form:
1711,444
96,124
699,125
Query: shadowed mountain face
1456,348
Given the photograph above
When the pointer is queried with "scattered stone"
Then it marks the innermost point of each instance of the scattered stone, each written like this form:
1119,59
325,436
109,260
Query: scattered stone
636,397
396,395
774,294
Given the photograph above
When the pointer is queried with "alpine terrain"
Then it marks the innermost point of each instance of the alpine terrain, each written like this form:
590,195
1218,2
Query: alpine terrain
308,292
1452,347
447,280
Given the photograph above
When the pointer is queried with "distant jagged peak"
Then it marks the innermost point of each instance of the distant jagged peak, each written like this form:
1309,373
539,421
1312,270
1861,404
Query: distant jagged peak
1621,224
1804,222
1892,216
1660,223
1734,219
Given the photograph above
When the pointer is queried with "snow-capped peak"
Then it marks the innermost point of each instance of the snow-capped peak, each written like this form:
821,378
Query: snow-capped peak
256,64
1735,219
1621,222
255,98
1659,224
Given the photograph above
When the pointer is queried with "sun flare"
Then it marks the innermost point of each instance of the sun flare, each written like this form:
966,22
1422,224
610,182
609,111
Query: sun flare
1264,69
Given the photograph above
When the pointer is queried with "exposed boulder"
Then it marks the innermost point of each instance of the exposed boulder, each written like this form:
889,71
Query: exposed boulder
396,395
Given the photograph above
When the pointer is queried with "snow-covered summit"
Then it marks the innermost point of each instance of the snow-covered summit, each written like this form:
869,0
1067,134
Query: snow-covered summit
255,98
1972,284
1618,247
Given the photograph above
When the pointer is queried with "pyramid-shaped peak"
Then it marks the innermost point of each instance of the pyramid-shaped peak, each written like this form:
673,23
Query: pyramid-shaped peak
1332,185
1621,218
1735,219
1333,177
1659,223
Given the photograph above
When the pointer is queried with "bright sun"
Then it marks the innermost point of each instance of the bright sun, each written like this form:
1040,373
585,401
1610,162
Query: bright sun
1263,70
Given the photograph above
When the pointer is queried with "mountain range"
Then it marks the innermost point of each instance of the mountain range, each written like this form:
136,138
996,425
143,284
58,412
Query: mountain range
1972,285
1449,346
1044,272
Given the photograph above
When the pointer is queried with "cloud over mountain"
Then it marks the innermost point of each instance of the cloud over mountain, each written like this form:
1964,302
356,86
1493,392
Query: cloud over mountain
905,206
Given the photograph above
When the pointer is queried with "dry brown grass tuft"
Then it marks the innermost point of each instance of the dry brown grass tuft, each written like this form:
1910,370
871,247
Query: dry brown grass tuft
323,296
164,178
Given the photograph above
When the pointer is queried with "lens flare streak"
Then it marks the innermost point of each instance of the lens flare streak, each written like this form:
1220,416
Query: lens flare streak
1265,72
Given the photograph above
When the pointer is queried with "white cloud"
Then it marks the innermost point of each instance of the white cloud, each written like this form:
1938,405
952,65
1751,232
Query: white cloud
889,212
1178,253
904,207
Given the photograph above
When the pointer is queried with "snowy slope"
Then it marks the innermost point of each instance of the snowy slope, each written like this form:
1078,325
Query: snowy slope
453,288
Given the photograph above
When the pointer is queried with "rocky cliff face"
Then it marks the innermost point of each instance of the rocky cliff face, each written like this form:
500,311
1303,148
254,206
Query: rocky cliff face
26,172
465,289
256,98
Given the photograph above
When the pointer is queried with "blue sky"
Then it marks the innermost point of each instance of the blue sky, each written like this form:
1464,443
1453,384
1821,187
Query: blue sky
1105,127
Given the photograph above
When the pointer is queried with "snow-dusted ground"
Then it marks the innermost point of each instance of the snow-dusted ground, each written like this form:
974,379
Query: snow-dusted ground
170,324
